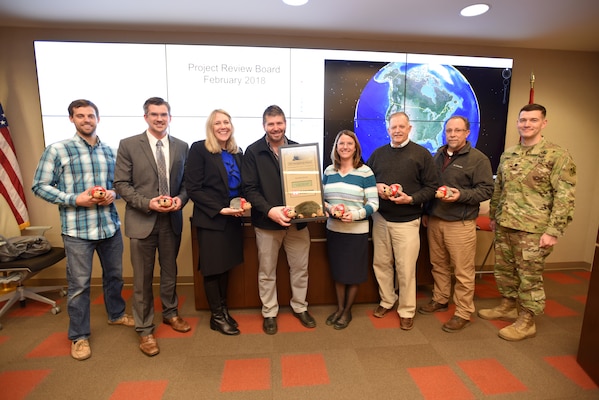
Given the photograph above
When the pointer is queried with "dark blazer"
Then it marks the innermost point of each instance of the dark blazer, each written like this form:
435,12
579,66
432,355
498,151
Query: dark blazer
262,184
136,181
208,186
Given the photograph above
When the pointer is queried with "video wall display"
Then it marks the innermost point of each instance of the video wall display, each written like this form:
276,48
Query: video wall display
321,91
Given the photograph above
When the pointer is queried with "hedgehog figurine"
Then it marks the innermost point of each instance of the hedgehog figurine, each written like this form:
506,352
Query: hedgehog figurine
239,203
98,192
165,201
289,212
393,190
309,209
337,210
443,192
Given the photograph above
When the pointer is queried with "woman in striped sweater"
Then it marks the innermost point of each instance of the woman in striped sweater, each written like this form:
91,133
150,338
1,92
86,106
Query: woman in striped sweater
350,196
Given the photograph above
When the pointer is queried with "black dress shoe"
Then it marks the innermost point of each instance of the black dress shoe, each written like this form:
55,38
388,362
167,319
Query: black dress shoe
305,318
270,325
342,322
333,318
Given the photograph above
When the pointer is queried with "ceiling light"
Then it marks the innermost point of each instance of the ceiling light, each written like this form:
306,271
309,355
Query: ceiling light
295,2
474,10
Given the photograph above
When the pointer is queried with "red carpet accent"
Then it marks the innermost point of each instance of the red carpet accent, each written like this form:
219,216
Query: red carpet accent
16,385
247,374
568,366
3,339
561,277
489,278
581,298
56,345
486,291
165,331
439,382
146,390
249,323
304,370
491,377
126,293
555,309
586,275
390,320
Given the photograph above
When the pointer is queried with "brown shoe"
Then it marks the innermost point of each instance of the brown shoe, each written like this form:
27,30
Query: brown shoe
148,345
432,307
406,323
177,323
380,311
455,324
80,350
125,320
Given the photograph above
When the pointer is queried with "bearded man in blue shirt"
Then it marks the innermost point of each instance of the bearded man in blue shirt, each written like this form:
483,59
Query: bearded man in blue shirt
66,175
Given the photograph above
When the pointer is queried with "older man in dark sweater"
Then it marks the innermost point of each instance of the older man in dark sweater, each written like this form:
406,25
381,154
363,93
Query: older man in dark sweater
396,225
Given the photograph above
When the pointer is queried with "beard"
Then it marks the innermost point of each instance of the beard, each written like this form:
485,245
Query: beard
86,131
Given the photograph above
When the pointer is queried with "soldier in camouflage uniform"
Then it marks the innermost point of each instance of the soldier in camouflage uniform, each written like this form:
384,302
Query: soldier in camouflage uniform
532,203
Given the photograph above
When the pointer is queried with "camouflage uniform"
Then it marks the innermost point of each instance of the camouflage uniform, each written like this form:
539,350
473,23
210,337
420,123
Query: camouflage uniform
533,195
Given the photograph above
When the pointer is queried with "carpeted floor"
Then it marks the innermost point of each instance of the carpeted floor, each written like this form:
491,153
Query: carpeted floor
371,359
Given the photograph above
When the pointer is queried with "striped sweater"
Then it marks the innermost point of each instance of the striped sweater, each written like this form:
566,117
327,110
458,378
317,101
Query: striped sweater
357,191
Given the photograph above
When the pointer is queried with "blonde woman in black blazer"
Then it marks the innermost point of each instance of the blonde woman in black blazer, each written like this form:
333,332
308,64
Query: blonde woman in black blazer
212,179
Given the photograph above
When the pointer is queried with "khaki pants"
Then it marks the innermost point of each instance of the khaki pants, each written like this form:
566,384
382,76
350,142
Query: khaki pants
297,246
452,247
396,246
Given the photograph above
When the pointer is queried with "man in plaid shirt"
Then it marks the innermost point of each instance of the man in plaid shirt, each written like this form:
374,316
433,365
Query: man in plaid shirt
66,175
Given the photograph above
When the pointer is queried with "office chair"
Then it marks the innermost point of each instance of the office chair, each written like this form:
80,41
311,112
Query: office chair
21,269
483,223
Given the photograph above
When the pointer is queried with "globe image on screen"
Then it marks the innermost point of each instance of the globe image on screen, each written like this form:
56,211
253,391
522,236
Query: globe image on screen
428,93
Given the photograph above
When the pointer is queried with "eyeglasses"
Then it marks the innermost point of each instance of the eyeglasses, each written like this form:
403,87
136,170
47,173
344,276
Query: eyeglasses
455,130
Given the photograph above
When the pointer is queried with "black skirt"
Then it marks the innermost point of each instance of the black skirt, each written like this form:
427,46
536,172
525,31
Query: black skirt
348,257
220,250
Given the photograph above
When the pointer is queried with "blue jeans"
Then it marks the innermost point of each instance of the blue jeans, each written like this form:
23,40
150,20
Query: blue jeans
79,271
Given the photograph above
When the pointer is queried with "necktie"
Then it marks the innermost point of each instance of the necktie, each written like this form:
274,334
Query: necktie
161,164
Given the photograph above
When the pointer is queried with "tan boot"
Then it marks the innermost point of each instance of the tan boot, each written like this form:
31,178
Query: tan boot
507,310
523,328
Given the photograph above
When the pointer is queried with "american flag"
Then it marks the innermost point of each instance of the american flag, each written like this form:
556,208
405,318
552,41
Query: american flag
11,182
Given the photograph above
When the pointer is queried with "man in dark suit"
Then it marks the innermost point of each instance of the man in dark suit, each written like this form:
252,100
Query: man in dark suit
149,175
